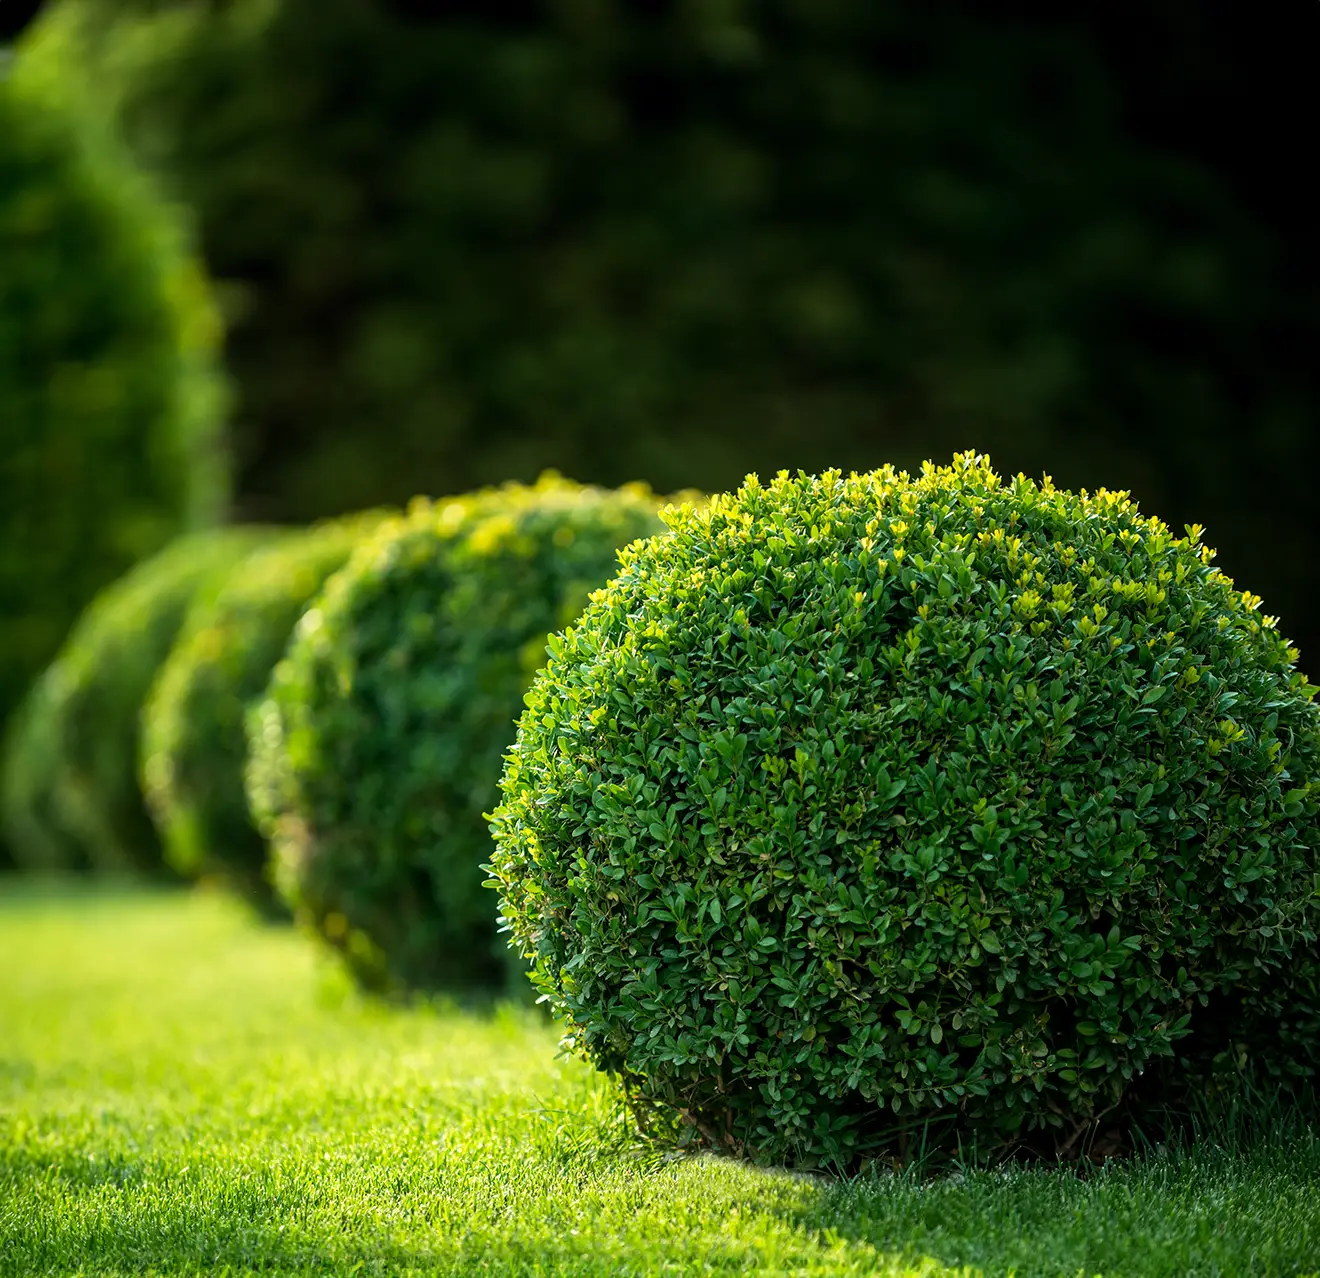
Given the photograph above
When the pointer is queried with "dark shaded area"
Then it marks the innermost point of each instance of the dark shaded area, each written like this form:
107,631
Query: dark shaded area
681,242
15,15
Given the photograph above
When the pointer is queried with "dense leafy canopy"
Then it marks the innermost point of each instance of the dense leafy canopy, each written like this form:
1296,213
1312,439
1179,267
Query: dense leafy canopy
108,389
193,739
70,785
378,748
868,804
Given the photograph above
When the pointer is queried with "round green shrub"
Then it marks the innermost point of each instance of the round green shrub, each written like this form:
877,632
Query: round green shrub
193,742
378,748
70,778
109,390
872,807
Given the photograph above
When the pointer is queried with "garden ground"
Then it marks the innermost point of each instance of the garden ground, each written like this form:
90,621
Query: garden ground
185,1090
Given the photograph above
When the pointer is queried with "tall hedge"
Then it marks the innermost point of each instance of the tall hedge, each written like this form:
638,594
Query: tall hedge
70,782
109,391
679,241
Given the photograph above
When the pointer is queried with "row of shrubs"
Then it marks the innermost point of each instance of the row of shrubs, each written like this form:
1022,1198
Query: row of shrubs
851,812
369,733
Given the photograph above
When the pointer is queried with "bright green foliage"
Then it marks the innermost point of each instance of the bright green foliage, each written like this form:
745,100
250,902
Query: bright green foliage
71,791
871,807
108,384
378,749
193,742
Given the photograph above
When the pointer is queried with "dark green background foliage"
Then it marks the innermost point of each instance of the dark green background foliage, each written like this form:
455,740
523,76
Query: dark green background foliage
71,790
861,802
108,392
681,241
193,740
406,677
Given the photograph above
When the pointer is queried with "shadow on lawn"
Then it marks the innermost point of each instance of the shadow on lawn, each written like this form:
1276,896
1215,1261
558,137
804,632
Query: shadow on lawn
55,892
1256,1211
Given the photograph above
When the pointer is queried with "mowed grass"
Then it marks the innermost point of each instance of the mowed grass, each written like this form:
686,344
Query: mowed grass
183,1090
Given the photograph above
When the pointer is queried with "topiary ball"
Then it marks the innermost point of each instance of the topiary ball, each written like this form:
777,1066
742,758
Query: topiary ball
873,808
70,784
378,747
193,741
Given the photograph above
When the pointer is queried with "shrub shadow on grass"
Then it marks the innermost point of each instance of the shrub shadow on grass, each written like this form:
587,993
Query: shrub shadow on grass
56,893
1204,1208
1209,1210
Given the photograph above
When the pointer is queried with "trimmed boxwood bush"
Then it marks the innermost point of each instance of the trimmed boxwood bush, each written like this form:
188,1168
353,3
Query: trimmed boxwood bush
109,390
70,778
193,741
872,806
378,748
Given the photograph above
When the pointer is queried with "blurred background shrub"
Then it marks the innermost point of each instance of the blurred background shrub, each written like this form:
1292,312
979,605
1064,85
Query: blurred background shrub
407,676
71,793
673,240
34,830
109,387
193,742
680,241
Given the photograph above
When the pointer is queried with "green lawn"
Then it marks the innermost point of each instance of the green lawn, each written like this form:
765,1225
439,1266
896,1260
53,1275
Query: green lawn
183,1090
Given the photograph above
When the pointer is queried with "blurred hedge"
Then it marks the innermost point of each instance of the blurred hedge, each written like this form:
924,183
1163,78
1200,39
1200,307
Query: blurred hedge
680,241
35,823
109,391
70,788
193,744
